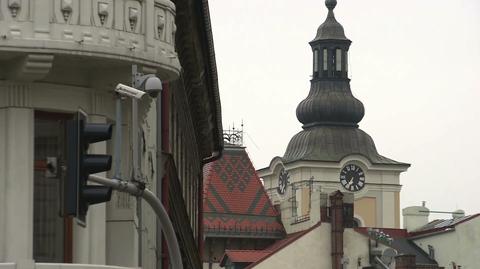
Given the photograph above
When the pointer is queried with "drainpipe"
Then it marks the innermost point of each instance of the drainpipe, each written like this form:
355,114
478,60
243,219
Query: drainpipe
336,204
118,137
159,170
135,159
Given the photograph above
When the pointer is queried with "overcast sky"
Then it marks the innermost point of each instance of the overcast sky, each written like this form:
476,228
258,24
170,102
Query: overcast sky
414,64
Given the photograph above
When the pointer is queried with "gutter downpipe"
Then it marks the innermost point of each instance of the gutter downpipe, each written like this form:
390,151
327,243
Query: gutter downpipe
159,169
135,159
118,137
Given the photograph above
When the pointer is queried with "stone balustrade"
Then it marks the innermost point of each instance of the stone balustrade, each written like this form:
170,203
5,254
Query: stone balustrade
134,31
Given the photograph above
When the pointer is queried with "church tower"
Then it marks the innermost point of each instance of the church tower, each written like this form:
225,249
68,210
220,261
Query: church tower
331,152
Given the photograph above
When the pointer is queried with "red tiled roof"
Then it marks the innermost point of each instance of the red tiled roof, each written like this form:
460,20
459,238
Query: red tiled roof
235,201
243,256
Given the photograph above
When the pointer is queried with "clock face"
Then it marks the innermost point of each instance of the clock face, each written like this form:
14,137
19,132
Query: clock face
283,181
352,177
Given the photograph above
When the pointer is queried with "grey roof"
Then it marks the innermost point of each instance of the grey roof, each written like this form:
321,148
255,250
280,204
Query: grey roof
332,144
331,28
442,225
331,103
405,246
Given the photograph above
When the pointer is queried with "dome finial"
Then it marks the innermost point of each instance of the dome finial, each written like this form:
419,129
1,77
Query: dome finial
330,4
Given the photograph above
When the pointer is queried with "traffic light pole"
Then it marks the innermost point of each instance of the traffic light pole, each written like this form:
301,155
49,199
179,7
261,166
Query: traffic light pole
155,203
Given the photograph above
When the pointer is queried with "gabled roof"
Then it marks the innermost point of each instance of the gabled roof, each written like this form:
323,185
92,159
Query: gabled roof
235,203
440,226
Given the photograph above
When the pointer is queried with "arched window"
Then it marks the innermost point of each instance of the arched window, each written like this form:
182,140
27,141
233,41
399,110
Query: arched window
315,63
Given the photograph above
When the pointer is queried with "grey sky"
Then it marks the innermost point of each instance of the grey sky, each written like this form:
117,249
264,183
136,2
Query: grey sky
414,64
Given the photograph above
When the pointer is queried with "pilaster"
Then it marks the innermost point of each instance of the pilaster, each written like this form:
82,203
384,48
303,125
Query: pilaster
16,184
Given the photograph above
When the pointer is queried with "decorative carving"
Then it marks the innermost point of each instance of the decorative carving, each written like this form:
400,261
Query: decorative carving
174,31
133,15
67,9
33,67
133,18
160,24
102,12
14,6
16,94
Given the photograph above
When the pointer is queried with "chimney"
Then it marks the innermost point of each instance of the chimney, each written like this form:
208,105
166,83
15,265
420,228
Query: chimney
336,209
415,217
324,207
458,214
348,213
406,261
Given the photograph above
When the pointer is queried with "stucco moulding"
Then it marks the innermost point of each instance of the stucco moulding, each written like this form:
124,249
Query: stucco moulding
141,32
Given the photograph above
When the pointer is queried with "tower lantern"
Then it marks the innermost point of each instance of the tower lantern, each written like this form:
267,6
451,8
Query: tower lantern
330,48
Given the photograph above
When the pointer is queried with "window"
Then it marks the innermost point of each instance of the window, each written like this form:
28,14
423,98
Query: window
315,61
431,252
325,60
52,231
346,61
338,60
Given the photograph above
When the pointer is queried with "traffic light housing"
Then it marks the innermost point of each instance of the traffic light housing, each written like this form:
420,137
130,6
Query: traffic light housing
78,194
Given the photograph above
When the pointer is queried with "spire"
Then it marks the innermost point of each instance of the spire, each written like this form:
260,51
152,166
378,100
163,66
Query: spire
330,101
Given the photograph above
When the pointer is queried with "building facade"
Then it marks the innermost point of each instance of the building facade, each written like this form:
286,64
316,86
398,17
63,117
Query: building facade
331,152
57,56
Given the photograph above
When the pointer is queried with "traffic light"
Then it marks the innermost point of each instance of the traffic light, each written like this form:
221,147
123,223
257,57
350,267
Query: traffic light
78,194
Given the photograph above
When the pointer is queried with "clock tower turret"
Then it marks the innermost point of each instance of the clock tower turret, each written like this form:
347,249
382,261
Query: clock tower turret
331,152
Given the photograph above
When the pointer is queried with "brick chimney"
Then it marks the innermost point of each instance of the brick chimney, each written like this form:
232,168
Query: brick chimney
336,209
406,261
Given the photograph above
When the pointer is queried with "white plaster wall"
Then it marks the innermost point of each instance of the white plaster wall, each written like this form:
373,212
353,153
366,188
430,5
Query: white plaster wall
355,249
461,246
313,250
30,264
